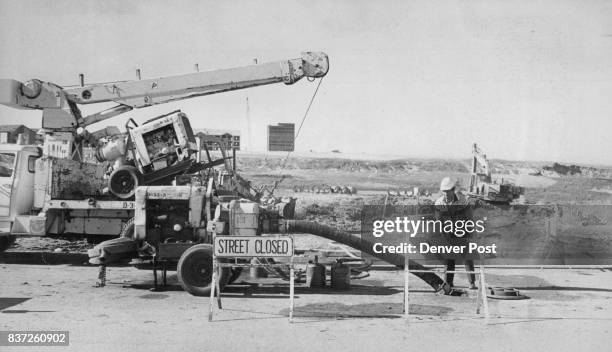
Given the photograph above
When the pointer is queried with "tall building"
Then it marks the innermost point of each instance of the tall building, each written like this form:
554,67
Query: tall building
281,138
230,137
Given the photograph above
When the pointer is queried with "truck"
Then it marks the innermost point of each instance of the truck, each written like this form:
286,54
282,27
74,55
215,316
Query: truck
50,190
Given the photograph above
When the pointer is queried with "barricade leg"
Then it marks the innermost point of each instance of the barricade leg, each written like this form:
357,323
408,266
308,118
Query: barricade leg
479,298
291,291
218,287
483,292
212,292
406,286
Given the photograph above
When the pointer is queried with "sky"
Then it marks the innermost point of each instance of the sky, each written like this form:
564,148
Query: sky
526,80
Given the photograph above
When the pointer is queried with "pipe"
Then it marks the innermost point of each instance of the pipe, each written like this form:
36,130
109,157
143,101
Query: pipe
334,234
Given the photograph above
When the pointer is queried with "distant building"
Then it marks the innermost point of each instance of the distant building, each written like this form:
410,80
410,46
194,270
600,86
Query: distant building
230,137
9,134
281,138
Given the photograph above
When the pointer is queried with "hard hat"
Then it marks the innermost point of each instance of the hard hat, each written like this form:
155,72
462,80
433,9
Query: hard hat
447,184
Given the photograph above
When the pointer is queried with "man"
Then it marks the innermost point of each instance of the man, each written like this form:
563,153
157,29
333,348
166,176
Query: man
453,206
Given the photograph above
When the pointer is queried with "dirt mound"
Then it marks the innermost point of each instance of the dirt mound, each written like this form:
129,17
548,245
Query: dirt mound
382,166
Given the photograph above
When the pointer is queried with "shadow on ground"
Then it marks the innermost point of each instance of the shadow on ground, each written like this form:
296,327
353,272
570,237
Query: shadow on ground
390,310
7,302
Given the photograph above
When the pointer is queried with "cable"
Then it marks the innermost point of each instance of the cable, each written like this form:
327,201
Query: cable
301,124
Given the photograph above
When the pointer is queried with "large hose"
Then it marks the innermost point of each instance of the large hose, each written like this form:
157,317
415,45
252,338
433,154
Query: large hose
303,226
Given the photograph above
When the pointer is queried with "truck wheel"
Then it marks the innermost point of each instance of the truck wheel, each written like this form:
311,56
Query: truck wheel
6,242
123,181
194,270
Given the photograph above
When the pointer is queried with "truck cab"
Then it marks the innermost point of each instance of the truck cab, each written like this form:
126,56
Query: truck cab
17,169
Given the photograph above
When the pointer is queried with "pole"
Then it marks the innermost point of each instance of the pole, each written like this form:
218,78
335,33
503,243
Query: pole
406,282
218,287
485,304
291,291
212,288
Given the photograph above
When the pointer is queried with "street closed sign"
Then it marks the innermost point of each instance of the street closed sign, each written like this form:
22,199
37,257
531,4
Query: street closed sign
253,246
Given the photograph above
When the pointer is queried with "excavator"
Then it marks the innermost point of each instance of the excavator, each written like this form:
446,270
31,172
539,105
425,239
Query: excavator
160,198
483,187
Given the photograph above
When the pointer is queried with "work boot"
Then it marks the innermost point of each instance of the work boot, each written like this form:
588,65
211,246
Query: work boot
445,289
448,290
473,286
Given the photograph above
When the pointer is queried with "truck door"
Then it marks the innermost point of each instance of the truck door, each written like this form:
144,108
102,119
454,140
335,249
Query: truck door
23,183
7,171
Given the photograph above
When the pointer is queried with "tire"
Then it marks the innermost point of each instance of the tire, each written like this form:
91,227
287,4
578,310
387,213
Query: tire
6,242
123,182
194,270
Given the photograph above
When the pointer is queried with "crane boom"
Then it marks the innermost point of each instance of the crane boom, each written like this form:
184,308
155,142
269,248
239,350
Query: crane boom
60,105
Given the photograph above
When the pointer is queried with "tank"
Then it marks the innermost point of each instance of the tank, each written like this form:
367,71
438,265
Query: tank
315,274
340,276
256,271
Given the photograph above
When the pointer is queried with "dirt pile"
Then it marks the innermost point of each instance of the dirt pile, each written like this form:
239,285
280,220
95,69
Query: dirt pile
383,166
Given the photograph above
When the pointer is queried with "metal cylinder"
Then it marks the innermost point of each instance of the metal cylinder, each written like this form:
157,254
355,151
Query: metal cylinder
315,274
111,150
256,272
340,276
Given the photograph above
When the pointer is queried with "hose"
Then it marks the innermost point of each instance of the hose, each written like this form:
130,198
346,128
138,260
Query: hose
311,227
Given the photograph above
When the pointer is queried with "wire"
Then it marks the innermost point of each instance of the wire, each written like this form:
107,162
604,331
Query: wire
301,124
307,110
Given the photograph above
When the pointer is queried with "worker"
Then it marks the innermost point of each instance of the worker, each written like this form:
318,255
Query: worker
452,205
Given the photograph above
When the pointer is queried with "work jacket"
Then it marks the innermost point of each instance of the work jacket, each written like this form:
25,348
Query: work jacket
456,210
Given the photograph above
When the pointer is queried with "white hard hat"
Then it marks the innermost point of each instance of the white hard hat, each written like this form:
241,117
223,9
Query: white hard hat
447,184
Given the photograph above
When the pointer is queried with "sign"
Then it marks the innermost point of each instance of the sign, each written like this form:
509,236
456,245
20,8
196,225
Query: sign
253,246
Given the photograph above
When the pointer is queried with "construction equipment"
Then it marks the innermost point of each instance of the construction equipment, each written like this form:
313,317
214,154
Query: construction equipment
51,191
483,187
173,228
164,226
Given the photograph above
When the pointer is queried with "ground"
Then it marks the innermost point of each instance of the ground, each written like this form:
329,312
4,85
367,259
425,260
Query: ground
568,310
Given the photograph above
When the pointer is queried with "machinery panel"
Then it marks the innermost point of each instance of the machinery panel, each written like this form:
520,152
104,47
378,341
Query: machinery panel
57,178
